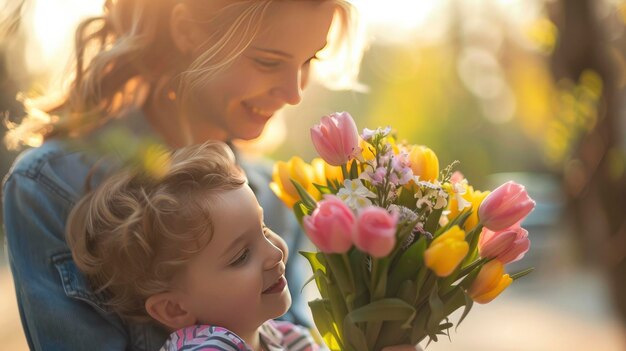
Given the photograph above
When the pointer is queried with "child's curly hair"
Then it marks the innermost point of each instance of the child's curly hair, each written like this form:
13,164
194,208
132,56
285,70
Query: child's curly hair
134,233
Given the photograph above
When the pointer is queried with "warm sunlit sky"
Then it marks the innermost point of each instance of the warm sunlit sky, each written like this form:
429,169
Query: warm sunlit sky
391,21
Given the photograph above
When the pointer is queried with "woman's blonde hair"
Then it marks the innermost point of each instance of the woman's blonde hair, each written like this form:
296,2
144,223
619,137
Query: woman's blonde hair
134,233
127,54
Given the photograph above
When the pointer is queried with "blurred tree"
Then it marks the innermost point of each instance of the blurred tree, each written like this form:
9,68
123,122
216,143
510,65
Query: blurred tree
594,177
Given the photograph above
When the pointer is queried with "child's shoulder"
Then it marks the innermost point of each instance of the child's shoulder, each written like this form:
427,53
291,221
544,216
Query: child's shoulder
290,336
204,337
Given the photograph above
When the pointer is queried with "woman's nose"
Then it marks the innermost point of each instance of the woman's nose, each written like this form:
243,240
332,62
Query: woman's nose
289,87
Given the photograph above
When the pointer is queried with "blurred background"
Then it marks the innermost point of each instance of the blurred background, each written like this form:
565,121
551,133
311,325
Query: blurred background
528,90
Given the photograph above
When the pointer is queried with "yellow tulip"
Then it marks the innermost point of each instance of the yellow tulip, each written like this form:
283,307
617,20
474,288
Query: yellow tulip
474,197
366,150
446,252
323,172
297,170
490,282
424,163
393,143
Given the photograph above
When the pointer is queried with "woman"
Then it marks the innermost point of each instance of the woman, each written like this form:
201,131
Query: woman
151,73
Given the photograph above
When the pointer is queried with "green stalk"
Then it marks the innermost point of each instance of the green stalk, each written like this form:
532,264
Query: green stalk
344,171
349,299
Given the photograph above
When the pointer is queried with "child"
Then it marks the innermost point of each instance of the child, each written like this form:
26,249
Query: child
187,248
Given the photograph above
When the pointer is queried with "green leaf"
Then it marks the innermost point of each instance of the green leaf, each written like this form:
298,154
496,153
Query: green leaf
403,232
300,210
334,185
323,189
466,283
432,223
408,265
361,276
423,277
460,272
398,332
458,220
306,198
437,312
407,292
323,321
377,312
523,273
470,267
407,199
318,264
316,260
353,336
468,307
318,274
337,305
380,272
418,333
472,238
392,309
340,273
354,170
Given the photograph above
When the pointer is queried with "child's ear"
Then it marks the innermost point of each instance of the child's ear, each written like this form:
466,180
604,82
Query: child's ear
168,309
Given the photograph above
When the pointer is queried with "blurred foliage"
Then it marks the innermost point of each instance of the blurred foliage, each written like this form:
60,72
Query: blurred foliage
493,107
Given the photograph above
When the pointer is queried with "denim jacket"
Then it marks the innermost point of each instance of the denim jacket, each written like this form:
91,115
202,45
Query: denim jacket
57,308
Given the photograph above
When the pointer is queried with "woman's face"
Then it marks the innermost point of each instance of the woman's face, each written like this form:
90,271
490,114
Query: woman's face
238,101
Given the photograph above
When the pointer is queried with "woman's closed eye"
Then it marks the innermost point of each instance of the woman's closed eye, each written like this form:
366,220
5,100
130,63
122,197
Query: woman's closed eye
272,64
241,259
266,63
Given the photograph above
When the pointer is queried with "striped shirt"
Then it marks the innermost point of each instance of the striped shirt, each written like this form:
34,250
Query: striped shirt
275,336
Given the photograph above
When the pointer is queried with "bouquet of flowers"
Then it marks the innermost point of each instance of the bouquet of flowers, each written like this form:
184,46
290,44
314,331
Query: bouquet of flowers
401,244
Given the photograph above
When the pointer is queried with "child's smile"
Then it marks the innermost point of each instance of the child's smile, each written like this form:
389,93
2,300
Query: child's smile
237,281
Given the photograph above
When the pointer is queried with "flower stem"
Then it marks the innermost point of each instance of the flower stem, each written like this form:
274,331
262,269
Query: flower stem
344,171
373,275
346,261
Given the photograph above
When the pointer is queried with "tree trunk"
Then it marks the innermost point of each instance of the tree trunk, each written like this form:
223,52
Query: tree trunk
599,205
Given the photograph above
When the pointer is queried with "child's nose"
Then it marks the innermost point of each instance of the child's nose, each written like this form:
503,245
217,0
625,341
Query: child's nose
274,255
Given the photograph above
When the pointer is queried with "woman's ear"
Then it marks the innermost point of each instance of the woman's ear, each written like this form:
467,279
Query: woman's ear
185,31
168,309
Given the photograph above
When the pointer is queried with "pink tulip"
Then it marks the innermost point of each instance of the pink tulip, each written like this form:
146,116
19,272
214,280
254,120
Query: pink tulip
331,225
376,231
336,138
507,246
505,206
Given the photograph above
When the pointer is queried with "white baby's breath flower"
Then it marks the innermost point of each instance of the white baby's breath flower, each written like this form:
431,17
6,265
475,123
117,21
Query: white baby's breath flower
405,214
441,199
431,195
459,190
355,194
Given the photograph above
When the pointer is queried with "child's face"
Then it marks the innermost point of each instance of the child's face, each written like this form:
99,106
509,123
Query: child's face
237,281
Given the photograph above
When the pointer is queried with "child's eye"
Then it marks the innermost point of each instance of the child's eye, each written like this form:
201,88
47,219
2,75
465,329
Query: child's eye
243,258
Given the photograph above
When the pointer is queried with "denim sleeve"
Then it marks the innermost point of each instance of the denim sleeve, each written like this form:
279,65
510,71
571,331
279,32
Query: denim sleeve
57,310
